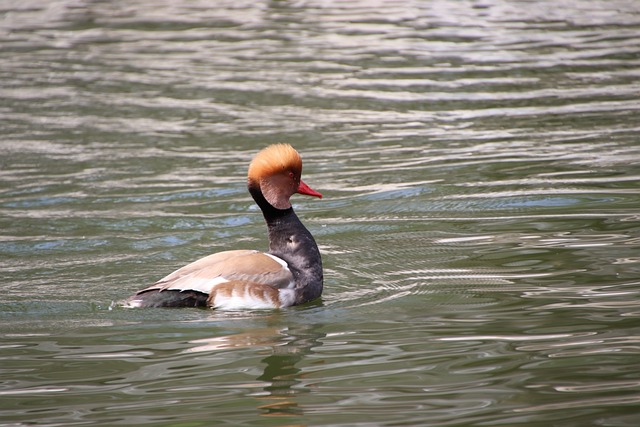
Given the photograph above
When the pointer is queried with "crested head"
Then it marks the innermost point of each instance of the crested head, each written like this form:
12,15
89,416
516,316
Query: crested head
275,159
275,174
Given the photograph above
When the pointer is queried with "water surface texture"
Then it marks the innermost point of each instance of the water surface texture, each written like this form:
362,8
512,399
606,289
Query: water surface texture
480,230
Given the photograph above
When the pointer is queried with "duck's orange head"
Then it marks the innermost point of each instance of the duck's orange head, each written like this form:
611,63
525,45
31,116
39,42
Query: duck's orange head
276,171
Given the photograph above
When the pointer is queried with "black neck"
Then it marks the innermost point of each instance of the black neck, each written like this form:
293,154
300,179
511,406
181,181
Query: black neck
291,241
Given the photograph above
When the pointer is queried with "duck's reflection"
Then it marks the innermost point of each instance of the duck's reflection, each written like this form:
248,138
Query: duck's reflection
281,377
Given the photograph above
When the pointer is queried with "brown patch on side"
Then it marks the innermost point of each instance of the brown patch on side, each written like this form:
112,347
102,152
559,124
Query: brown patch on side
250,291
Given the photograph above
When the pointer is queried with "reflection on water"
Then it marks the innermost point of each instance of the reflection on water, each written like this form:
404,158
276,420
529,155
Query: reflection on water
280,380
280,383
479,230
160,373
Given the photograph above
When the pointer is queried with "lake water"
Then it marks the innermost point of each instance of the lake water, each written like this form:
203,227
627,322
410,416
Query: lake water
480,230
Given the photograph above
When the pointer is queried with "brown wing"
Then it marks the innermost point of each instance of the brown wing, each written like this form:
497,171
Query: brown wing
245,265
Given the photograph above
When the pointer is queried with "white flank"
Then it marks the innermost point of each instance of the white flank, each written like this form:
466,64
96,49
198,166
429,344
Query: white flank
240,302
287,297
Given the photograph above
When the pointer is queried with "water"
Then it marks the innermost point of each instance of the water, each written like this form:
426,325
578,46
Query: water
480,164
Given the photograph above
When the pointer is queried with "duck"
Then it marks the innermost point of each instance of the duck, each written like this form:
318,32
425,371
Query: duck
288,274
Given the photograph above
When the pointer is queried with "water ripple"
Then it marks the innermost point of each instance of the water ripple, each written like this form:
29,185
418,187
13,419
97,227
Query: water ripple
479,162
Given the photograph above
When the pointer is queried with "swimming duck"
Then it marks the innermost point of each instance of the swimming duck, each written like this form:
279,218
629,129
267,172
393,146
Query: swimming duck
290,273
